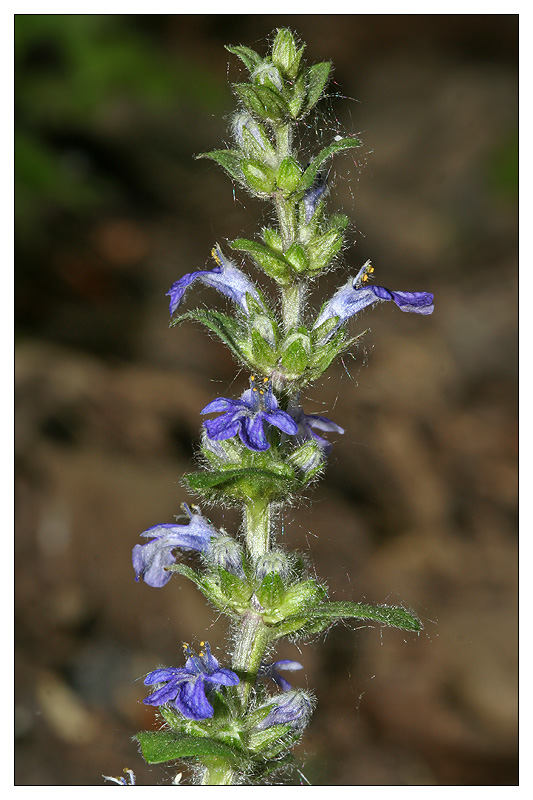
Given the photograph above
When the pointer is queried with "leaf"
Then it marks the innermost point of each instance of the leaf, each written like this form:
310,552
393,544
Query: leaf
394,616
230,160
271,590
160,746
242,484
335,147
317,78
225,327
267,259
249,57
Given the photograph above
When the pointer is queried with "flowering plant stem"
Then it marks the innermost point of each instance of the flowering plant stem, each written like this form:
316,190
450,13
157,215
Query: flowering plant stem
262,449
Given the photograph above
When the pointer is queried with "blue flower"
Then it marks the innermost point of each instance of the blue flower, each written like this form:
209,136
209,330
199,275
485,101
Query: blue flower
185,688
292,707
357,294
121,780
247,416
225,277
312,196
308,422
271,671
151,559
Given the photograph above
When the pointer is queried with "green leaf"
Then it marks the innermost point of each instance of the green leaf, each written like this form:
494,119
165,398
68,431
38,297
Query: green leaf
262,101
335,147
263,355
271,590
235,589
317,78
242,484
394,616
249,57
295,357
321,249
275,106
225,327
209,588
288,175
271,262
230,160
160,746
258,176
297,256
298,95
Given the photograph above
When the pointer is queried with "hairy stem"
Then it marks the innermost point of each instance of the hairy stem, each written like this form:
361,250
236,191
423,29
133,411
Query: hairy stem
217,772
252,641
257,524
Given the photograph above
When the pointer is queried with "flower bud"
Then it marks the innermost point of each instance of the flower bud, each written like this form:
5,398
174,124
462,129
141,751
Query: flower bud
259,177
252,138
289,174
284,53
309,459
267,74
225,552
294,708
274,561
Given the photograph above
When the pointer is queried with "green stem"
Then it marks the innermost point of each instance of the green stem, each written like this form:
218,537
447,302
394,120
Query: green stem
217,772
257,522
252,641
292,300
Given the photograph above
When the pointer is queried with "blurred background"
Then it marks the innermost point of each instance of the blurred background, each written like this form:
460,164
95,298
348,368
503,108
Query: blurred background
418,505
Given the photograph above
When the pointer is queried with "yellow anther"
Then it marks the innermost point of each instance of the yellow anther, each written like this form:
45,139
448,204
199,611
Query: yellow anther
202,644
185,645
201,654
252,377
214,253
265,380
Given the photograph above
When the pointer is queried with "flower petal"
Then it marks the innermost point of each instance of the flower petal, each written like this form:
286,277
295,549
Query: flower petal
225,277
222,677
252,433
414,302
192,702
283,421
220,404
223,427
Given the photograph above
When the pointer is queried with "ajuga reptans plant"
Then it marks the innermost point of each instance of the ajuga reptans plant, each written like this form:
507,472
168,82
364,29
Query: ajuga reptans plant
237,723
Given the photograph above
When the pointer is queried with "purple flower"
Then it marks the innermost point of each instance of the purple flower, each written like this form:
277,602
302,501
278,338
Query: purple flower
271,671
356,295
185,688
247,416
312,196
225,277
308,422
294,707
121,780
151,559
